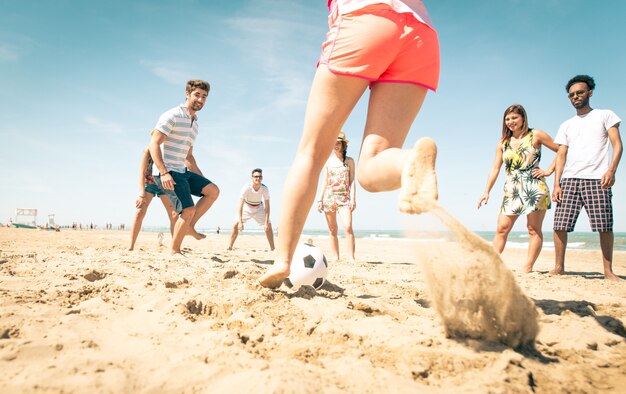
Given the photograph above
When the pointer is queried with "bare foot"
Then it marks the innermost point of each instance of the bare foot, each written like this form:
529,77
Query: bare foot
418,192
177,254
528,269
352,260
557,271
196,234
274,277
611,276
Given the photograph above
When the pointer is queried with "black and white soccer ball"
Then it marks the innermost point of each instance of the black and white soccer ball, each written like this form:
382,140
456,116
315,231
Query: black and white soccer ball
308,267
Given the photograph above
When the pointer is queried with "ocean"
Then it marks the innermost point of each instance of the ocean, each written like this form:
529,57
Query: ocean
517,239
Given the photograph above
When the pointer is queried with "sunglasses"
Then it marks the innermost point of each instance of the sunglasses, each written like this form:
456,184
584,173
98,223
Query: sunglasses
257,176
577,93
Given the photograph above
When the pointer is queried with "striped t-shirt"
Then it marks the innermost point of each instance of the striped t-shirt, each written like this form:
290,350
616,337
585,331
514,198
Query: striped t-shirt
181,130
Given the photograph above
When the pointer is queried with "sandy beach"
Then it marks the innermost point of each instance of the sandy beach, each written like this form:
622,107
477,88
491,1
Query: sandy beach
79,313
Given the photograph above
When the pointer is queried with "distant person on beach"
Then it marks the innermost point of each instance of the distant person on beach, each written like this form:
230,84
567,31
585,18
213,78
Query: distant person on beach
585,172
147,191
392,48
339,195
525,189
171,148
254,203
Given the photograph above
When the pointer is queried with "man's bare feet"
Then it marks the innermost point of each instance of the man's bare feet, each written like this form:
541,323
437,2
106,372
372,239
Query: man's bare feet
196,234
557,271
274,277
528,269
418,192
611,276
177,254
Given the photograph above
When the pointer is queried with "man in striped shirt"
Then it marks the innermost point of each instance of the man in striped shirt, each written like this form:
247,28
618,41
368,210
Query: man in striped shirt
171,148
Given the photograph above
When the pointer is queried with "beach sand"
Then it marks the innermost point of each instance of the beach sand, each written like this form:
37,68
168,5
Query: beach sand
79,313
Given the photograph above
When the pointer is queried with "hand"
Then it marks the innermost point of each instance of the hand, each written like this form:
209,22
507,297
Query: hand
240,225
140,201
267,226
320,206
167,182
352,205
538,173
608,180
557,193
483,200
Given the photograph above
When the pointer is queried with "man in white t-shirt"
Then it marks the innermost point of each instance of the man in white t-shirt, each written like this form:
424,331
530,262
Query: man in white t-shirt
254,203
585,172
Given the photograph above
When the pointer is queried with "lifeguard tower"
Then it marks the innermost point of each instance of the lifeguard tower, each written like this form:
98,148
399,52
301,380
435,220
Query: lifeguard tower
22,216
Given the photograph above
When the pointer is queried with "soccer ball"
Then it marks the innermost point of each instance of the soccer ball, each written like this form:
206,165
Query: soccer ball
308,267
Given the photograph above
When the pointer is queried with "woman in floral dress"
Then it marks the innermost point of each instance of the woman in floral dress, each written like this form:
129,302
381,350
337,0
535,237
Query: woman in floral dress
525,188
339,195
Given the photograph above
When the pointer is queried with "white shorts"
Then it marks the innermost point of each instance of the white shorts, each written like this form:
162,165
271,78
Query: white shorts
251,212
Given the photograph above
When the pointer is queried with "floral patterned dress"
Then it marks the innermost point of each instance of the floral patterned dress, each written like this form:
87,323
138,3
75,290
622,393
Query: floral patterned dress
337,193
523,193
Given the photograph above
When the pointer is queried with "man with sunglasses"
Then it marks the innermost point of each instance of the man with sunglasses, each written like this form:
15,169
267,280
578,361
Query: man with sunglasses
585,172
254,203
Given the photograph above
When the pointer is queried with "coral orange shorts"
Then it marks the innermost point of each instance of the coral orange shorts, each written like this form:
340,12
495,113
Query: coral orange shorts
382,45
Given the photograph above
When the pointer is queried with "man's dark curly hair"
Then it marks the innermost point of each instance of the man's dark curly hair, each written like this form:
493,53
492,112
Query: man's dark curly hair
591,84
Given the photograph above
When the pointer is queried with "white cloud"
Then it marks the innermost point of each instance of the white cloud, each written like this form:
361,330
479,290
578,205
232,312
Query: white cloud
103,125
8,54
173,73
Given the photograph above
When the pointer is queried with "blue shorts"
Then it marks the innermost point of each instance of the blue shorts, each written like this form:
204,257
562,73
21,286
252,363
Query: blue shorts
187,184
153,189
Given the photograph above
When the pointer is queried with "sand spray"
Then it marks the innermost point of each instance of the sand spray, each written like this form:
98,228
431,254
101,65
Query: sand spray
473,291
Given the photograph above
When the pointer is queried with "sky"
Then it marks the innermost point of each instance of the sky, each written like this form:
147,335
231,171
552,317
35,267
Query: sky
83,83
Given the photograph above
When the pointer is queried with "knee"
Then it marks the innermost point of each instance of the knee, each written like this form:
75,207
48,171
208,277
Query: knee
188,213
332,230
365,181
211,191
534,231
504,228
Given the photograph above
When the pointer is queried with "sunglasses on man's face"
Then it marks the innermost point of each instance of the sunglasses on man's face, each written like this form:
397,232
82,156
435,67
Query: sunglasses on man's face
257,176
577,93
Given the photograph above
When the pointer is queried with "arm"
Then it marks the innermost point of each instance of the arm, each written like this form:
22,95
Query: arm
239,213
543,138
325,184
156,140
561,156
493,175
190,162
267,214
608,179
351,166
143,168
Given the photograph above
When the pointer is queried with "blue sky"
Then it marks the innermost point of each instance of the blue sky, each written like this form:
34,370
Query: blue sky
82,83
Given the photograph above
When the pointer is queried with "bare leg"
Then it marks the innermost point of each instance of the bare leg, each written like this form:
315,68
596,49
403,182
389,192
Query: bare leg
535,243
560,244
392,109
140,214
171,212
346,218
270,236
331,219
331,100
505,224
181,228
210,194
233,236
606,244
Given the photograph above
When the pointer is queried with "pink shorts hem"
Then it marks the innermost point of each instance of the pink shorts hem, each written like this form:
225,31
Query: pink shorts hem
347,74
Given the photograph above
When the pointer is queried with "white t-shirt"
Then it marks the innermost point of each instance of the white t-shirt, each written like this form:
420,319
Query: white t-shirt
254,197
587,141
